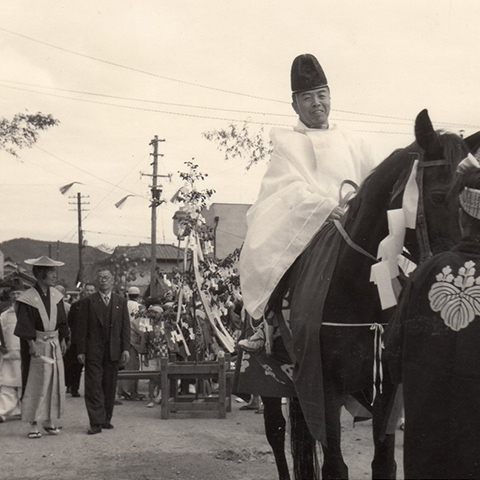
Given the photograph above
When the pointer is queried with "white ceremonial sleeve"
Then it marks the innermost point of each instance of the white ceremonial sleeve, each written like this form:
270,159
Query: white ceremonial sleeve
291,208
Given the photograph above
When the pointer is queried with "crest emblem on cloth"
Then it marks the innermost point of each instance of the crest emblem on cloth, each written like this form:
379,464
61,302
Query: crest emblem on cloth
456,298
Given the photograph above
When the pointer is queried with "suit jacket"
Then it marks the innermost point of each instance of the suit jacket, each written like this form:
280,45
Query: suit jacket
91,339
73,321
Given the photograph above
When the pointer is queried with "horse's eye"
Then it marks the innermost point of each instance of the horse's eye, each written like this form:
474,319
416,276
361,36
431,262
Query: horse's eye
438,198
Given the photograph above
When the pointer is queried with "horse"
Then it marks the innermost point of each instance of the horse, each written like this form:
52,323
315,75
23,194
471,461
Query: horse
335,315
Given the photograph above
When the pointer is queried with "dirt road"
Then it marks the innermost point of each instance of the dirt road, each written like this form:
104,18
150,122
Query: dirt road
143,447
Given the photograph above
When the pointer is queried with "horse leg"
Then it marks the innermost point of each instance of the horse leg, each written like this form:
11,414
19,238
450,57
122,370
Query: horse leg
275,432
305,461
384,465
333,466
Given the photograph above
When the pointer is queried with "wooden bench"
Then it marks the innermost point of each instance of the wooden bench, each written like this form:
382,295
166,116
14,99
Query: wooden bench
171,372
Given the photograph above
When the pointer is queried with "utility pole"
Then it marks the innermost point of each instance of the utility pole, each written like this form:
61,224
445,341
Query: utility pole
156,201
79,204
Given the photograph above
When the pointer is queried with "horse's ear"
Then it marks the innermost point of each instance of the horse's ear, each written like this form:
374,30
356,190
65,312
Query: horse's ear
473,142
424,132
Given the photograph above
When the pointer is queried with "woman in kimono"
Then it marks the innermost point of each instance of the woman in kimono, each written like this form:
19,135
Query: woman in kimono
43,330
10,370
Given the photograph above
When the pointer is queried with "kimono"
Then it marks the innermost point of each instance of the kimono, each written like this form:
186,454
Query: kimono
42,318
432,347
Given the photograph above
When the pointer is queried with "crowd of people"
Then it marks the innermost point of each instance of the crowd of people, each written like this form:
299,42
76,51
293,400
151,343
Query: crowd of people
47,341
431,346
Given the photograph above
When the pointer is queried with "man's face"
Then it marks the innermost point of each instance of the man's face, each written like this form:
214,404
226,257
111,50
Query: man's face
15,294
313,107
105,281
50,277
89,289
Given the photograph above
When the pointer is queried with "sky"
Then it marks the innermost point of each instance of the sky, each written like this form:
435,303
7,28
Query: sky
115,73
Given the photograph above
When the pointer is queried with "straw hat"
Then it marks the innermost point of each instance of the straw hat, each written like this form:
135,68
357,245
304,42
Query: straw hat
44,261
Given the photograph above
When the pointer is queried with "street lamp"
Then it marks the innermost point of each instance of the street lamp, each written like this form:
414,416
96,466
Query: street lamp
179,224
179,230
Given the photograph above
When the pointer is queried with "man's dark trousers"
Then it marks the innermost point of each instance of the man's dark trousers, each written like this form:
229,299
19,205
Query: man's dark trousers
100,388
101,377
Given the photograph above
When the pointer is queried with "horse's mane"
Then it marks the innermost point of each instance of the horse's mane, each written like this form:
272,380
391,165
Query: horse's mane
454,148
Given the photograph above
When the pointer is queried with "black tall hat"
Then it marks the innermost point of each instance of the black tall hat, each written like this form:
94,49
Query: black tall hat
307,74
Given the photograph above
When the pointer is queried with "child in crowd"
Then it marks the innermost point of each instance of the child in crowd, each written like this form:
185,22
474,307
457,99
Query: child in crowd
159,344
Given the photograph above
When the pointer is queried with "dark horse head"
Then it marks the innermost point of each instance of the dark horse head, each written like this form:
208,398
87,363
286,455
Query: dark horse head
383,190
352,298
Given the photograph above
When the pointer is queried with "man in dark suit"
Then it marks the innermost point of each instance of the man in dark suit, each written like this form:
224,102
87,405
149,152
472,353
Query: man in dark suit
73,368
103,343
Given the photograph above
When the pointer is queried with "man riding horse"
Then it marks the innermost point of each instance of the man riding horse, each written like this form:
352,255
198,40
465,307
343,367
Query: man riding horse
299,195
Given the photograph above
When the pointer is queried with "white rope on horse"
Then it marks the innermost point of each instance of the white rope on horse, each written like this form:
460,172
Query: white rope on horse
378,346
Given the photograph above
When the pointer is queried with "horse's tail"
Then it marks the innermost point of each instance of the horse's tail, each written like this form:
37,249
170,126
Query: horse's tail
304,447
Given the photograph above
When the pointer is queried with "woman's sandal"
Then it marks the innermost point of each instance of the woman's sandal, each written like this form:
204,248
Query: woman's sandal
52,430
34,435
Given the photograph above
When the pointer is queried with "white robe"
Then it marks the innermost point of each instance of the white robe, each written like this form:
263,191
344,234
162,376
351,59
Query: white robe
298,192
10,367
10,362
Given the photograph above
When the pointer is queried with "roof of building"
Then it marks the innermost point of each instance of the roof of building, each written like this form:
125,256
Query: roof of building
20,275
143,251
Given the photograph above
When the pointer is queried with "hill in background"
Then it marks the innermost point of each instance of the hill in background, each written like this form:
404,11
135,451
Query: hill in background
20,249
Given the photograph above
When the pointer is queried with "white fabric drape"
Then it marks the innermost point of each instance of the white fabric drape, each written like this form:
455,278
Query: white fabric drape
298,192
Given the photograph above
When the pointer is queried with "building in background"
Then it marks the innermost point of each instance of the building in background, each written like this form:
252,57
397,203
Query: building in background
16,274
229,222
131,264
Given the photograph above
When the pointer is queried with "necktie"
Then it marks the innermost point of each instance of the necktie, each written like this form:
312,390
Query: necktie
106,300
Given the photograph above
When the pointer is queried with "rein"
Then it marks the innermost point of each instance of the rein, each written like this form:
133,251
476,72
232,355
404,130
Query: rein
425,252
421,222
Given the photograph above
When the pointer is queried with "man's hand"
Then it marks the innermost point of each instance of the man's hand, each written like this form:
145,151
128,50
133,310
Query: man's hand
63,346
125,357
268,337
32,348
81,358
337,213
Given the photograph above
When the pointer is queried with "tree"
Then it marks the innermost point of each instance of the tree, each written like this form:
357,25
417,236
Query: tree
241,142
22,131
194,202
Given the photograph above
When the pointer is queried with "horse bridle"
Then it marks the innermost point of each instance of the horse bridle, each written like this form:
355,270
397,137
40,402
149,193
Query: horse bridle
421,223
421,229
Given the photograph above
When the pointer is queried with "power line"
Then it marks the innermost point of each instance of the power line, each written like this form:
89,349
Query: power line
117,97
257,97
117,234
191,115
405,121
117,186
84,171
144,72
27,184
